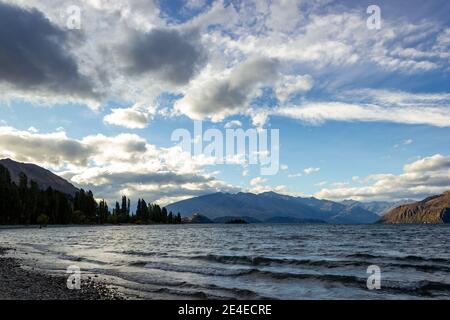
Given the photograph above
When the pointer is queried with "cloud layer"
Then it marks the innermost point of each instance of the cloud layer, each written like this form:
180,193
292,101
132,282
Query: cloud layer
237,62
218,58
114,165
420,179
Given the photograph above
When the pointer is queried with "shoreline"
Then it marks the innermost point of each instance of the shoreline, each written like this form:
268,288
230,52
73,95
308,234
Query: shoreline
18,283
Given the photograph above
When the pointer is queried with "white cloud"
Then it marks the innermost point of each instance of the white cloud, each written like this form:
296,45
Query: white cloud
340,184
264,188
434,163
257,181
50,149
321,183
135,117
284,15
195,4
398,98
216,97
233,124
288,85
422,178
408,141
295,175
311,170
317,113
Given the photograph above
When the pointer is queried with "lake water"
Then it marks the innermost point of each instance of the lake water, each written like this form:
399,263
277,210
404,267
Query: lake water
247,261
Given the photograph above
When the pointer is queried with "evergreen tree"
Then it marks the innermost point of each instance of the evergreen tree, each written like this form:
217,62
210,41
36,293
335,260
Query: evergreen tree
103,212
123,217
145,212
25,203
163,215
139,211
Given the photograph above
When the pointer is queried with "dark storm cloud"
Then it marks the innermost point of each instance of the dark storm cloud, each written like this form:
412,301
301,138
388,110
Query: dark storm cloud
33,54
172,56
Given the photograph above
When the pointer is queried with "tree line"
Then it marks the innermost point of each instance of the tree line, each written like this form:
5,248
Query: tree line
26,203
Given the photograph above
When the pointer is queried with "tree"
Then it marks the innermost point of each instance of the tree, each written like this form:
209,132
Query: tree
124,210
26,203
42,220
139,211
156,214
145,212
85,202
164,215
103,212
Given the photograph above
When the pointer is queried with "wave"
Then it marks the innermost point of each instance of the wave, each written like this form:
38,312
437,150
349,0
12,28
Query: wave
400,258
179,288
328,264
209,271
140,253
418,258
421,288
82,259
344,279
417,288
266,261
362,256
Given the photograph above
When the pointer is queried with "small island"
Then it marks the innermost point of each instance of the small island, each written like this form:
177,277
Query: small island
236,221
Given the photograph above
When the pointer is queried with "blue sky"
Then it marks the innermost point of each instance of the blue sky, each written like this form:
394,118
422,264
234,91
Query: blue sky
362,113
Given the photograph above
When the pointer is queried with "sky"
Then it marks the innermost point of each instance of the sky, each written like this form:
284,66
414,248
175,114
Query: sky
94,89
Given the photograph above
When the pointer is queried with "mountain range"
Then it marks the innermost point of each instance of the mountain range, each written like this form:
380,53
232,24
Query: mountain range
273,207
378,207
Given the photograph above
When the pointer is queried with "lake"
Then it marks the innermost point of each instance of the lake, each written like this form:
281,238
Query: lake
255,261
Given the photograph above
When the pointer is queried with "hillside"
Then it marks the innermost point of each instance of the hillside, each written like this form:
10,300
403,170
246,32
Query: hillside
44,178
435,209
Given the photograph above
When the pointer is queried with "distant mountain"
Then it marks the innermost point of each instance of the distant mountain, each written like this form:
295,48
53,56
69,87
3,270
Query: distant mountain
340,213
43,177
435,209
378,207
271,205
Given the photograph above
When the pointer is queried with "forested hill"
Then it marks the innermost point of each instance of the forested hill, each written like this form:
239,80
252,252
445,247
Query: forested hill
43,177
25,202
